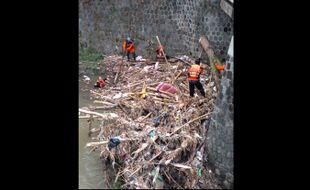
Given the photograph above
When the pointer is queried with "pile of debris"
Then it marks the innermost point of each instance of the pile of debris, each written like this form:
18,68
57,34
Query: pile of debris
153,137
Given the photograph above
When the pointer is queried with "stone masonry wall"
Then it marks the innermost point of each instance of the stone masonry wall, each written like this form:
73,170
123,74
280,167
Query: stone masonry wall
104,24
220,134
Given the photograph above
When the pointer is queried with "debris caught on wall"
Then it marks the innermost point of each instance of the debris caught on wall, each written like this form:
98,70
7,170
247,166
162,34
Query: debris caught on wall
151,137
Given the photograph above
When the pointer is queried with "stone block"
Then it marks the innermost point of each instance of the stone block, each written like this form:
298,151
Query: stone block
226,184
229,75
217,172
231,107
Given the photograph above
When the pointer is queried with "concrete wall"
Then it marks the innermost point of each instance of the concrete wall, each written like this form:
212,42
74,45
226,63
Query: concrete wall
178,23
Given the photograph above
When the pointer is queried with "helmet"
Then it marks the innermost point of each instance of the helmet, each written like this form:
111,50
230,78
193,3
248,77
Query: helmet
128,39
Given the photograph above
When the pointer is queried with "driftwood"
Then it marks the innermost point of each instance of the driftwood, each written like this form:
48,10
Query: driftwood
197,118
91,144
155,128
104,115
208,49
105,103
87,117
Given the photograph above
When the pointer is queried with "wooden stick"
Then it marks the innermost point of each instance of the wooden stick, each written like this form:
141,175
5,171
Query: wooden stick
159,95
135,171
87,117
91,144
175,181
177,77
95,130
165,100
103,107
195,119
207,47
158,102
168,64
119,71
143,146
104,97
104,116
181,166
155,156
103,102
146,116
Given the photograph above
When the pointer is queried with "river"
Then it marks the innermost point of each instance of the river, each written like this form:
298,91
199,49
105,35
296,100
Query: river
91,175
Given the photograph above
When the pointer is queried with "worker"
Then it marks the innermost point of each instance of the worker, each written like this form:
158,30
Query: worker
100,83
194,73
160,52
129,48
220,67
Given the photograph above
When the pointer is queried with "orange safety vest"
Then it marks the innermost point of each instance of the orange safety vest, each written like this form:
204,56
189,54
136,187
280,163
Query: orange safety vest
194,71
219,67
131,48
124,45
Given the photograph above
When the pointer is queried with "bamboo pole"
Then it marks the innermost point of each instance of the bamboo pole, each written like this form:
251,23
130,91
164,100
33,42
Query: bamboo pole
87,117
168,64
104,116
208,49
195,119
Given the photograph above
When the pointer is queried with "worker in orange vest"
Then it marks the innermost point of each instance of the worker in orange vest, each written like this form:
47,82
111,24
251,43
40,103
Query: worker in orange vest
159,52
194,73
100,83
129,48
220,67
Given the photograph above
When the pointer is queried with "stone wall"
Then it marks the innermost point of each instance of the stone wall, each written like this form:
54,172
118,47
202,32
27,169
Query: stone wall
103,24
220,134
178,23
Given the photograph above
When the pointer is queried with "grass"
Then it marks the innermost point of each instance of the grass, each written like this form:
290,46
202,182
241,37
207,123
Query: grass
89,54
90,57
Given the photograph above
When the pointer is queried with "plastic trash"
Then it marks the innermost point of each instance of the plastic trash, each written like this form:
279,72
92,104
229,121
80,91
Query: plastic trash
157,119
184,58
117,96
113,142
166,87
139,58
200,172
156,65
133,179
199,155
152,134
86,78
158,180
165,115
214,88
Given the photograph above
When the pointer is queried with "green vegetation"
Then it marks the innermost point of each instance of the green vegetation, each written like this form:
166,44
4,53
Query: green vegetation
89,59
89,54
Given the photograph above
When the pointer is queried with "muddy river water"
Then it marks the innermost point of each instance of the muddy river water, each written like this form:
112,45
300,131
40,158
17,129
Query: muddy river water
91,175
